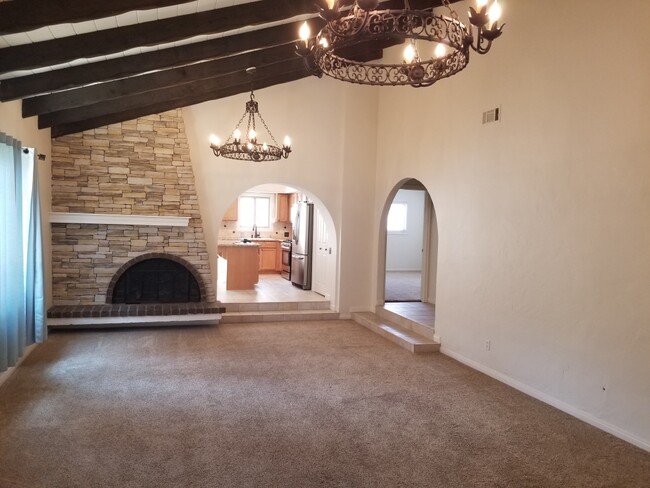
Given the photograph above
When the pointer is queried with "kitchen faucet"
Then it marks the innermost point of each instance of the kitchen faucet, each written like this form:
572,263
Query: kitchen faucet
255,231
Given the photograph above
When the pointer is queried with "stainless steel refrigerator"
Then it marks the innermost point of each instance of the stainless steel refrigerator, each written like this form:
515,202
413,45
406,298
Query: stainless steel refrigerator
301,250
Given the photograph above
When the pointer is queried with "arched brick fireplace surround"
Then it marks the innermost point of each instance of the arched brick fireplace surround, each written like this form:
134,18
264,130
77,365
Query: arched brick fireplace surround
167,279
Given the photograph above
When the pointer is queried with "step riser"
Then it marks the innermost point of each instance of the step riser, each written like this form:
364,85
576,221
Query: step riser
406,341
277,307
247,318
368,324
419,329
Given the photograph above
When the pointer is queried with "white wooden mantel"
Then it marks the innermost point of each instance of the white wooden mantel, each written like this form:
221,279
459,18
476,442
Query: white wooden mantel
118,219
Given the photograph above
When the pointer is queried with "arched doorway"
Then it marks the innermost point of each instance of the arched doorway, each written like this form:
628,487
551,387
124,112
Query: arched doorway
280,201
408,251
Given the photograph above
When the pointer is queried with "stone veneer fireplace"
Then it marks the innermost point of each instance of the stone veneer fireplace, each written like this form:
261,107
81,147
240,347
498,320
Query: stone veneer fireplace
122,194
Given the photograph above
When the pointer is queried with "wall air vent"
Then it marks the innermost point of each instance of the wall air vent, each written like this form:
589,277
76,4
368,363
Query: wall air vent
493,115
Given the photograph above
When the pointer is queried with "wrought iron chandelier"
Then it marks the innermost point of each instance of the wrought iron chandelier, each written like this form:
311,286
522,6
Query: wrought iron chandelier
250,149
364,22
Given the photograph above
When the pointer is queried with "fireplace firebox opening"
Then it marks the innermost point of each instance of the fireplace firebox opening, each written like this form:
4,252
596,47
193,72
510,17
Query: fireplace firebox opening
155,279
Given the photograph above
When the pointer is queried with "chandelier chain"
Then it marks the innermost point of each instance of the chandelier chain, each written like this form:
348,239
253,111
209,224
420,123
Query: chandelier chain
452,12
238,124
268,130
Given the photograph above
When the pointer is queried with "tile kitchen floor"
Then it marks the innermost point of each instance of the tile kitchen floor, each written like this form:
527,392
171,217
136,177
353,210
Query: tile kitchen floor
270,288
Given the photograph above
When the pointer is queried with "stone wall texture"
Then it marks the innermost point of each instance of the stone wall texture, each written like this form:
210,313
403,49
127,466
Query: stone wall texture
138,167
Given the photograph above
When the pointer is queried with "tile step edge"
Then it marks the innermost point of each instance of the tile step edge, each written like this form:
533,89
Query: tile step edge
401,336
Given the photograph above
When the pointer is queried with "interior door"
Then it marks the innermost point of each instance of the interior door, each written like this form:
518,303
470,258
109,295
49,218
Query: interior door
322,252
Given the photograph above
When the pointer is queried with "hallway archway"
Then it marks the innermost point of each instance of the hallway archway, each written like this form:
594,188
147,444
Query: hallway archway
408,246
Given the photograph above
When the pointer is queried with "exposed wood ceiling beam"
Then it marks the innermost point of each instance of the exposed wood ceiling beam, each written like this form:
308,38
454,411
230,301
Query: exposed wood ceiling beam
77,76
179,92
99,93
86,124
21,16
153,81
216,92
145,104
109,41
215,70
120,39
287,72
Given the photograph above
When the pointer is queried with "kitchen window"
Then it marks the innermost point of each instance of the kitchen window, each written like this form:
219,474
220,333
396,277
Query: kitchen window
255,210
396,222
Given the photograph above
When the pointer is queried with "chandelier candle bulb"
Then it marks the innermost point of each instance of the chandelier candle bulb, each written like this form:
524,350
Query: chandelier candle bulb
305,33
440,50
409,53
287,141
252,136
236,135
495,12
214,141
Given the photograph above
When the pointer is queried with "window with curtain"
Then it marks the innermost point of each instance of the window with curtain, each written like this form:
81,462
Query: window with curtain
22,320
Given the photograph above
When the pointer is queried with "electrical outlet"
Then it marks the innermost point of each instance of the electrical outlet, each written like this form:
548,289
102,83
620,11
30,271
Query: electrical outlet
487,344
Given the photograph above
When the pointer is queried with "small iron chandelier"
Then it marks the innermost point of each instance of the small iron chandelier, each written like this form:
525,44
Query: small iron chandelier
250,149
364,23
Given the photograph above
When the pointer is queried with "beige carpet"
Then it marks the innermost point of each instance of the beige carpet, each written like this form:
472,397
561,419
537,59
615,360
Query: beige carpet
323,404
403,286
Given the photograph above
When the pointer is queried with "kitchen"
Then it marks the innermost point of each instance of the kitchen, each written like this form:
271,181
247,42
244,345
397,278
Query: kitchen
257,235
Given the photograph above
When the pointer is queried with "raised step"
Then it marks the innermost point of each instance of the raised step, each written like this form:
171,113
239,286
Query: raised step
406,323
277,312
323,305
403,337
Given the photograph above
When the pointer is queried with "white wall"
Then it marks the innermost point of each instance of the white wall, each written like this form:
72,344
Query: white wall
26,130
327,162
404,249
543,218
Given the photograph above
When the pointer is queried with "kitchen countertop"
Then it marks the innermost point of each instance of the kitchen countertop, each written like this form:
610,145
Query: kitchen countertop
238,242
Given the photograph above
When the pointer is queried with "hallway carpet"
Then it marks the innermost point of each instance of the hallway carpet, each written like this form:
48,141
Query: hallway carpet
403,286
321,404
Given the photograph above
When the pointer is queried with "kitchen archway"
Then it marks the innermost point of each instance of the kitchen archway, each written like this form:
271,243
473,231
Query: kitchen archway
276,284
408,252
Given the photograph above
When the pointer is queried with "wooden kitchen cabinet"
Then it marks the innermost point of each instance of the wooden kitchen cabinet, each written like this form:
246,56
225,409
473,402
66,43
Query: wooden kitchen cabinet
283,207
270,256
241,265
293,199
232,212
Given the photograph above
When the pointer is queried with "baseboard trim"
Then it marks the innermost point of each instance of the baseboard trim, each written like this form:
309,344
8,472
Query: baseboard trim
554,402
5,375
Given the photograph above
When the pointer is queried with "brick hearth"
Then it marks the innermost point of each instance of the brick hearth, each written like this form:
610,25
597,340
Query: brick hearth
143,310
